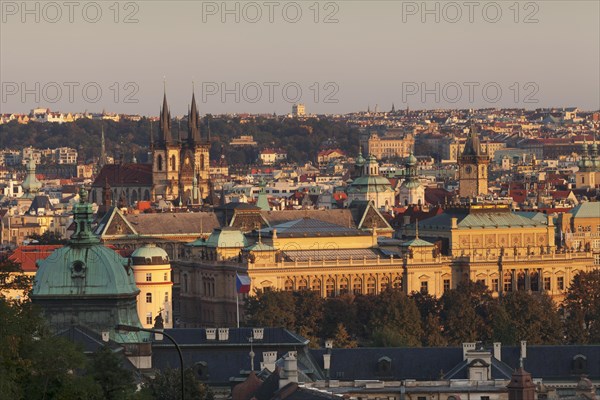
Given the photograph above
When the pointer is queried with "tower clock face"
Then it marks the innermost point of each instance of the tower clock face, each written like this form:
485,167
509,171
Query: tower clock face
468,169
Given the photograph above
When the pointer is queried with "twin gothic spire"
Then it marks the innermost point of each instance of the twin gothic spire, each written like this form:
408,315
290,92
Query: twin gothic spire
194,136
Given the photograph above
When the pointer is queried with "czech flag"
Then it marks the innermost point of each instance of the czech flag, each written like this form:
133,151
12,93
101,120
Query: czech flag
242,283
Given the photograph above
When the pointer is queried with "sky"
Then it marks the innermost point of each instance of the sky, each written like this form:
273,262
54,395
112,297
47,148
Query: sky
264,56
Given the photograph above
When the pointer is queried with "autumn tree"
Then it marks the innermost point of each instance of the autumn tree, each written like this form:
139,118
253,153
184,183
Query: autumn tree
395,320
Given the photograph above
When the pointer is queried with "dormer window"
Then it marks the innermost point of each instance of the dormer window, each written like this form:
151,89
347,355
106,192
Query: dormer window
579,364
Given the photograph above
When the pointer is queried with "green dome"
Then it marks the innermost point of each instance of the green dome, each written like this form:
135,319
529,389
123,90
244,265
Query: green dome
85,283
412,160
149,254
90,271
227,238
370,183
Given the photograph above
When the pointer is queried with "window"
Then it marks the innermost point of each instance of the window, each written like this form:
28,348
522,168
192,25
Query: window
343,286
357,286
148,297
560,282
495,285
149,277
289,285
424,288
446,285
149,318
508,282
330,288
371,285
166,297
596,259
596,244
485,397
547,283
166,277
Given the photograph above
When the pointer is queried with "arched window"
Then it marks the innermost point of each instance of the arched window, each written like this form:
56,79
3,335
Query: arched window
357,286
148,297
159,163
385,283
289,285
302,284
397,282
508,285
343,285
173,168
316,285
330,287
371,285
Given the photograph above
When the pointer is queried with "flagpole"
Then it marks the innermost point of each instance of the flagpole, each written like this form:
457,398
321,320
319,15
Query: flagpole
237,307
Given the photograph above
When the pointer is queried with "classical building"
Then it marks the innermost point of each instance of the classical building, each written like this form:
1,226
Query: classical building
86,284
473,168
579,229
368,185
507,251
389,146
152,273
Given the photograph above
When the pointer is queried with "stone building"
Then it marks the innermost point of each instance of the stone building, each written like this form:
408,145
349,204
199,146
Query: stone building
473,169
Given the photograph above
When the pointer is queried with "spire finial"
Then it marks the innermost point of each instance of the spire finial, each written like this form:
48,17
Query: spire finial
165,85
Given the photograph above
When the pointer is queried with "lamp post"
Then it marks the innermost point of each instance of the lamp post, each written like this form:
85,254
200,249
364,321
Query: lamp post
129,328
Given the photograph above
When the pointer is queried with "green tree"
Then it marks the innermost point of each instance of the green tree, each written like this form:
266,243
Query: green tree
48,237
167,386
528,316
13,279
396,320
106,368
308,314
271,308
429,308
582,309
465,313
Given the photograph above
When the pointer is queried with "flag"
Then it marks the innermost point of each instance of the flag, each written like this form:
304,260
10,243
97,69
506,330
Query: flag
242,283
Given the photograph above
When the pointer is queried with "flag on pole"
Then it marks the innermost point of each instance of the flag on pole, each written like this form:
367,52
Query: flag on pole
242,283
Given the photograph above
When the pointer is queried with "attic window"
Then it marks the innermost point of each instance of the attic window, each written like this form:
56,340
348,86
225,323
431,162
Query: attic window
579,364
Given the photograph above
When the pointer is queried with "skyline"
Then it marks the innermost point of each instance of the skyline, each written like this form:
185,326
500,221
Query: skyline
380,53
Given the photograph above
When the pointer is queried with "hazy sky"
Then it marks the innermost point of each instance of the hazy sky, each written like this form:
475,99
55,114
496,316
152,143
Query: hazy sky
477,54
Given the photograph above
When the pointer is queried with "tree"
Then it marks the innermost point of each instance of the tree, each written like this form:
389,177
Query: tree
167,386
396,320
308,314
429,308
527,316
582,309
48,237
342,339
465,313
12,278
106,368
271,308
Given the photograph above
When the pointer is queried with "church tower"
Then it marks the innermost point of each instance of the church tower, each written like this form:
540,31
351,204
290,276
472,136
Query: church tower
473,168
165,158
199,150
411,190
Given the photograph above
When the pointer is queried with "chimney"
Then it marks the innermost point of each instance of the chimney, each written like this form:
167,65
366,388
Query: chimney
468,347
498,351
454,223
329,344
258,333
290,369
269,359
223,334
211,333
523,349
326,361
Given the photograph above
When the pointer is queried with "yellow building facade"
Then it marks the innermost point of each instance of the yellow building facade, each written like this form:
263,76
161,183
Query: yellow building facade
152,273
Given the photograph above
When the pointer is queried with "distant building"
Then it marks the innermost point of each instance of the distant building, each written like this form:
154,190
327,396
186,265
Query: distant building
473,169
324,157
272,156
388,146
244,140
298,110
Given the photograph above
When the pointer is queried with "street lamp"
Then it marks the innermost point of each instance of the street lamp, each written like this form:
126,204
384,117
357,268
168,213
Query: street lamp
130,328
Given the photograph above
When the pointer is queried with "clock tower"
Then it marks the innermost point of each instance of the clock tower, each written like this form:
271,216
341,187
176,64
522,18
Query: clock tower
473,168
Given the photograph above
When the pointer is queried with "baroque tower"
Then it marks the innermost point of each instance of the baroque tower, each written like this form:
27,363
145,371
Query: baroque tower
473,168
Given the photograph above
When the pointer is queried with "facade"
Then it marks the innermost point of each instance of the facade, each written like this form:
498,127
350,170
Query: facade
506,251
180,169
298,110
389,147
152,273
473,169
579,229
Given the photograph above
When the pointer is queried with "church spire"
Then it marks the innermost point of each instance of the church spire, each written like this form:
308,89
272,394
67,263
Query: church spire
165,121
102,148
193,123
